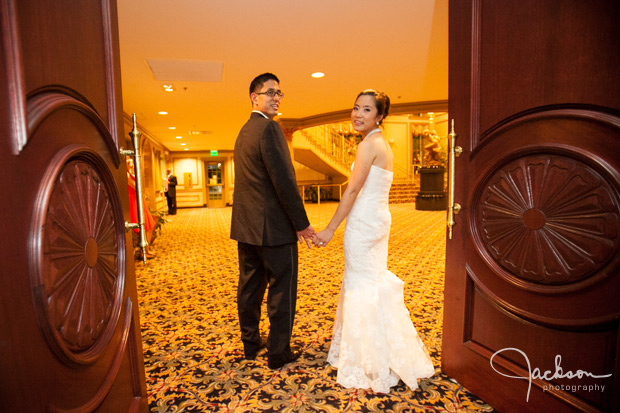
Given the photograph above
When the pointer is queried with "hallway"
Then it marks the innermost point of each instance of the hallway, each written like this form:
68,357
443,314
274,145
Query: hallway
193,355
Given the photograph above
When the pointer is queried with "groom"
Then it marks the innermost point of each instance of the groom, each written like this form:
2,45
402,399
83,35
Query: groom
268,218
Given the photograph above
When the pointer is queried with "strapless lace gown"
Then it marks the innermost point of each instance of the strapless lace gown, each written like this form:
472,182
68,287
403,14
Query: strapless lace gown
374,342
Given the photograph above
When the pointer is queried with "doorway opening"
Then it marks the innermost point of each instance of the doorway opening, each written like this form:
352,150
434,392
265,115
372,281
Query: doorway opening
215,184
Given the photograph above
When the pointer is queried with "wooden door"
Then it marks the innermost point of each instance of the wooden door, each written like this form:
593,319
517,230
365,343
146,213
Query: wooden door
532,271
69,327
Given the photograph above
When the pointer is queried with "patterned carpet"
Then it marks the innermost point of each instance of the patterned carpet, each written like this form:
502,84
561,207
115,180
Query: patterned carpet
192,351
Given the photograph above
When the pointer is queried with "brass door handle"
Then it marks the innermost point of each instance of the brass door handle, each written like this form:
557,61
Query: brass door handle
131,225
453,152
135,139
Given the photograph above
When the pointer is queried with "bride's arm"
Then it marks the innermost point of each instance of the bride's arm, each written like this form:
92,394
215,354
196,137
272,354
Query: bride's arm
363,161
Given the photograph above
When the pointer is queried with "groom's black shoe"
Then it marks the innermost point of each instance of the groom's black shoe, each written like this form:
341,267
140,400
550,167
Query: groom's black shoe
275,362
251,355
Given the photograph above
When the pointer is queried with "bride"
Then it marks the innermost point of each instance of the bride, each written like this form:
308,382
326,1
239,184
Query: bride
374,342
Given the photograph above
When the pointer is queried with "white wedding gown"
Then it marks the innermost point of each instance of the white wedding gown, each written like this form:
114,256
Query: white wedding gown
374,342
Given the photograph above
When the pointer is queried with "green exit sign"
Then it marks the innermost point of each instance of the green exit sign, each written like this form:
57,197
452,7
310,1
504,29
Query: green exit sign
213,153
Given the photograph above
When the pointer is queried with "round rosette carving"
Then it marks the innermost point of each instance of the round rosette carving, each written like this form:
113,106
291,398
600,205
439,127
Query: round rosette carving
547,220
78,256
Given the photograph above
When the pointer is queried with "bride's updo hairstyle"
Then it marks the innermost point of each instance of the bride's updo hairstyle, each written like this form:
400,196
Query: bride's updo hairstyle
382,102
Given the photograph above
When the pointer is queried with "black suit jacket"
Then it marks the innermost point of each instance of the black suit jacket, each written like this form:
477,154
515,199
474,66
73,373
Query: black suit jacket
267,208
172,186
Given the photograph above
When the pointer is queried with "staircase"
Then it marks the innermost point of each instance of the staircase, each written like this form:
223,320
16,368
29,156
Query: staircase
329,155
404,192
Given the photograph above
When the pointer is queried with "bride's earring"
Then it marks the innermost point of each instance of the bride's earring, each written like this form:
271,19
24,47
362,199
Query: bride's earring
377,123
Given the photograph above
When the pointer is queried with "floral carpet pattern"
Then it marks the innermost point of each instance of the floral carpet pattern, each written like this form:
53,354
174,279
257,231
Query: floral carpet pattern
192,351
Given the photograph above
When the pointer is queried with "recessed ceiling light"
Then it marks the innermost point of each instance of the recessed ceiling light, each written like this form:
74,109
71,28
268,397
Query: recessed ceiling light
183,144
318,75
168,88
172,127
179,137
163,112
186,149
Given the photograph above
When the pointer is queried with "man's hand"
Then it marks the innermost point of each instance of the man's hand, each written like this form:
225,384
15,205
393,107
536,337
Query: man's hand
306,235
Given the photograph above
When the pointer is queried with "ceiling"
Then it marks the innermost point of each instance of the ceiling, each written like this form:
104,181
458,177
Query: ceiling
210,50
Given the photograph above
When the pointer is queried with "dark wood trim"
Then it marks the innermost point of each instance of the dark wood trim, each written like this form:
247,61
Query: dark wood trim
43,104
596,113
110,76
36,253
15,75
476,30
115,366
607,322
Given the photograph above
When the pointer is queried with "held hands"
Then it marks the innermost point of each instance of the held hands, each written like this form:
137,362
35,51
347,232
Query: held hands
307,235
322,238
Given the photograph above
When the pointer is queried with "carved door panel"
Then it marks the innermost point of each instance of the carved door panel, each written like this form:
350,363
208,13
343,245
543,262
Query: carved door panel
532,271
69,326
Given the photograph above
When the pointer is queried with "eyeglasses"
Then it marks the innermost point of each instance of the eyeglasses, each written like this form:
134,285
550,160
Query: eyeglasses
272,93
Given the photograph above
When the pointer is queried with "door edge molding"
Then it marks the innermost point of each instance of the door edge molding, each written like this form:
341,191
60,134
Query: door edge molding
46,102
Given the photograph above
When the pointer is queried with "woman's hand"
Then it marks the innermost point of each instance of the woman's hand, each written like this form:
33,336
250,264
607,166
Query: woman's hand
322,238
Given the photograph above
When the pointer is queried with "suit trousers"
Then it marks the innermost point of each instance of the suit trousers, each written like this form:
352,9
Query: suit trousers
261,267
172,204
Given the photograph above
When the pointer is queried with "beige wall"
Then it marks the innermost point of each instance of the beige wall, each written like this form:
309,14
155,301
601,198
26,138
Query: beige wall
305,174
193,193
396,131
